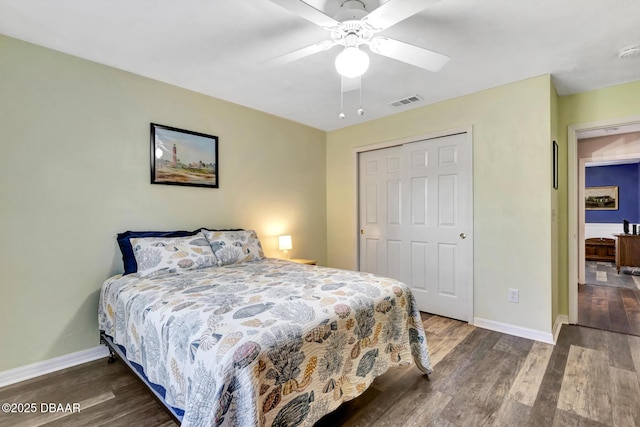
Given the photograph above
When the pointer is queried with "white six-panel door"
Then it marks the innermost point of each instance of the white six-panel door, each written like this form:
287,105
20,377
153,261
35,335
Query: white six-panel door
380,182
416,220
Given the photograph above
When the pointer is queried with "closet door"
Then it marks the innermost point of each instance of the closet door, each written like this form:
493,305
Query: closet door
415,213
380,179
437,215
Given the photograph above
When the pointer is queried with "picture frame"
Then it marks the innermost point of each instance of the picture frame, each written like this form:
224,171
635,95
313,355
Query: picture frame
601,198
555,164
183,157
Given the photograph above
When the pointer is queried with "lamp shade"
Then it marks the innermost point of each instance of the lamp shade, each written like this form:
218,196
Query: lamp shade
352,62
284,243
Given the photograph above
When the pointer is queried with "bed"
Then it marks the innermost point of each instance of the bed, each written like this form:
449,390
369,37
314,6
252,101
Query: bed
252,341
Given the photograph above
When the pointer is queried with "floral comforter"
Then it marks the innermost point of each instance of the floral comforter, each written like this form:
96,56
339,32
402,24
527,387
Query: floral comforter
263,343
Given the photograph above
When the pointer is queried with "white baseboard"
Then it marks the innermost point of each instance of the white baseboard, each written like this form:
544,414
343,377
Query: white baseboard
562,319
33,370
517,331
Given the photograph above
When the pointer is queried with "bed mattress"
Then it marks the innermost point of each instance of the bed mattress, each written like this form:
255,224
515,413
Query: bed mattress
267,342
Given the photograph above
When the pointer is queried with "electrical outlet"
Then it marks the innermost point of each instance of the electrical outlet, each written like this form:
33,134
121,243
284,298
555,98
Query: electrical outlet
514,295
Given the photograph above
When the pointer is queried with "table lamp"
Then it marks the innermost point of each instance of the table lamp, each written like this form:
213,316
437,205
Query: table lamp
284,244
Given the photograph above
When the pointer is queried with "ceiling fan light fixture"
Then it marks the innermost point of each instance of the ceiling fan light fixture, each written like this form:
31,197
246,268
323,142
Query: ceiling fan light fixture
352,62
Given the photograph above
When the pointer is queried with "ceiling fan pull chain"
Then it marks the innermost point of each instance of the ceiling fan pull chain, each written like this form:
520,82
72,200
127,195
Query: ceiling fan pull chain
341,115
360,110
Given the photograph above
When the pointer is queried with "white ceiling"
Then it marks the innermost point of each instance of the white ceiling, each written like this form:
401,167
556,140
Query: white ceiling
218,47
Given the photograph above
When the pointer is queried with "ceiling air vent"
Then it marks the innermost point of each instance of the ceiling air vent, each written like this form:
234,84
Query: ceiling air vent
406,101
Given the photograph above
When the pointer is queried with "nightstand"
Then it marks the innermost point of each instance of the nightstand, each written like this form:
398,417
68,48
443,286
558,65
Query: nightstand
303,261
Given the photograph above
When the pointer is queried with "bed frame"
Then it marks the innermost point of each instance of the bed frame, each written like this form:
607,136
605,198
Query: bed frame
117,351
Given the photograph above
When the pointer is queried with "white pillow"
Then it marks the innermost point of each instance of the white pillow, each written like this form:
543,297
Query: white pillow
161,255
232,247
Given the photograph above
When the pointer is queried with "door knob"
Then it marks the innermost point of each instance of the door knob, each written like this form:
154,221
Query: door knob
463,236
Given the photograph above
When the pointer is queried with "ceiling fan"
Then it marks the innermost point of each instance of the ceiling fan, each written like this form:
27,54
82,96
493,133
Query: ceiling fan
353,27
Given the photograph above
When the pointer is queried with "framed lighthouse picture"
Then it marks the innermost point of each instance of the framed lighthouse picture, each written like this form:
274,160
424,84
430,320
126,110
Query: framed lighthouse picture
183,157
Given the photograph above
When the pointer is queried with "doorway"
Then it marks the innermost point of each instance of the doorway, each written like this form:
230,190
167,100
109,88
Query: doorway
599,296
415,220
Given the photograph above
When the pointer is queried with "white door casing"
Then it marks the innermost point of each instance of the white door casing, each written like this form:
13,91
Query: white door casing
575,216
422,235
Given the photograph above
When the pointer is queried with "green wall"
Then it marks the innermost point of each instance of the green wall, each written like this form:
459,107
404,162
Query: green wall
555,215
512,193
75,172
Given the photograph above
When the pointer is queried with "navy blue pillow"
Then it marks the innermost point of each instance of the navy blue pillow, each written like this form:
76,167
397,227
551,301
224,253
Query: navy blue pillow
128,258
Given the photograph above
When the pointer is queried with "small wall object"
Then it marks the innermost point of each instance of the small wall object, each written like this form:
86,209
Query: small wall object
601,198
554,164
182,157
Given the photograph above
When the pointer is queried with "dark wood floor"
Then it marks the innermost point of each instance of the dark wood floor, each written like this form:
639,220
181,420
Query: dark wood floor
609,300
590,378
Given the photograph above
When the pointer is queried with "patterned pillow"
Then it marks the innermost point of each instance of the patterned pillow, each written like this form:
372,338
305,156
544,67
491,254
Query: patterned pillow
124,242
232,247
161,255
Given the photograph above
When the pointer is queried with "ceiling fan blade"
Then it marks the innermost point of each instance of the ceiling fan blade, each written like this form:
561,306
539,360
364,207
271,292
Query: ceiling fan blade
301,53
308,12
394,11
405,52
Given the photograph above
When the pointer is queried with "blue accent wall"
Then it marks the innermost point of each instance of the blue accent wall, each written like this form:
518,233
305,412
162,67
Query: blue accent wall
627,178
